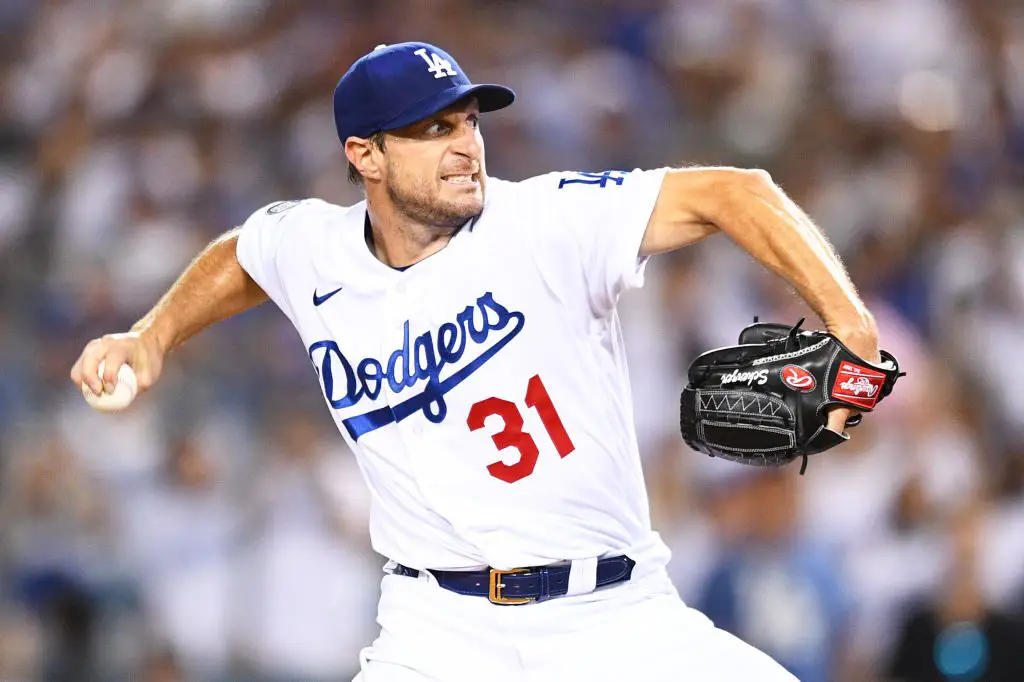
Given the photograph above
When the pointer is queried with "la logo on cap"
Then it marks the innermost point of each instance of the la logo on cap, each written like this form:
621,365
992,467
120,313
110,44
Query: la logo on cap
437,65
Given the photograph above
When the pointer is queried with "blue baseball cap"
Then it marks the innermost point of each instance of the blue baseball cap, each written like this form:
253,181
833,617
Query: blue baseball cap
396,85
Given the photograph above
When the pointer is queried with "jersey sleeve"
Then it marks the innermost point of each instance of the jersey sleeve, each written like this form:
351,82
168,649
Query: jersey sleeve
260,242
591,225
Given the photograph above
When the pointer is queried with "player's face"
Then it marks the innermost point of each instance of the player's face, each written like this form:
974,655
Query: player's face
435,170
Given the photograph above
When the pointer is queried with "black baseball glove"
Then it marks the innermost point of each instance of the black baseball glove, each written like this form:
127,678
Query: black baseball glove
765,401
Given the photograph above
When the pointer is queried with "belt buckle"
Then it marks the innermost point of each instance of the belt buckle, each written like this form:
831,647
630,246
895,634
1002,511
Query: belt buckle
495,596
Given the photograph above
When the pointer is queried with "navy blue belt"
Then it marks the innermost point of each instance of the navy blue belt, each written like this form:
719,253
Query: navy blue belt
523,585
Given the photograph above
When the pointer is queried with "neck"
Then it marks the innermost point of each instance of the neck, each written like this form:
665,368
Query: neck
398,241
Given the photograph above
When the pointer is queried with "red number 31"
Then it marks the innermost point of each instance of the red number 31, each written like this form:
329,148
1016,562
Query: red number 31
513,436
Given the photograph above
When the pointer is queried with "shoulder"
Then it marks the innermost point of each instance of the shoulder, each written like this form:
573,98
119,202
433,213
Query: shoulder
299,212
290,226
561,202
582,187
553,181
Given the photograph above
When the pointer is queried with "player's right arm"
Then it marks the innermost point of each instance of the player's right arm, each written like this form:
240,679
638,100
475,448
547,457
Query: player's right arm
212,288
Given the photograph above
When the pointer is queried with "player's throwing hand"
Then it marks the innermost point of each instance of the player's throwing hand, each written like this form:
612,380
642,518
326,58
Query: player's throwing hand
137,349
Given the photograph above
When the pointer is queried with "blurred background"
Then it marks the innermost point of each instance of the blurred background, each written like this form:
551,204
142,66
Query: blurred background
216,531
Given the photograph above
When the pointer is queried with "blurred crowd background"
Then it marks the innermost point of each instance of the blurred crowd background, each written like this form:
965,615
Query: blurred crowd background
216,531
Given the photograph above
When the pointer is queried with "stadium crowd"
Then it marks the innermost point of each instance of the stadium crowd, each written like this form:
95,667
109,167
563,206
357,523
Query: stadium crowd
216,531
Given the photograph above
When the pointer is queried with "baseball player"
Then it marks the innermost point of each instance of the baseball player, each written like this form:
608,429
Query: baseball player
465,337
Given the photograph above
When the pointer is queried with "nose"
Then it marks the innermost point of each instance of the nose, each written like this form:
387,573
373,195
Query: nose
467,142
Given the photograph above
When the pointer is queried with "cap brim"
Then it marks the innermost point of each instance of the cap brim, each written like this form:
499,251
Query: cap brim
490,97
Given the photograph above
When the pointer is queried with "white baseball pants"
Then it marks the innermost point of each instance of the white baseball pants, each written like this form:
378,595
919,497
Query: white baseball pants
637,630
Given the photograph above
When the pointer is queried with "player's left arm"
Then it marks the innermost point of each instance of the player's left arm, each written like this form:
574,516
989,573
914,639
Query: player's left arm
749,207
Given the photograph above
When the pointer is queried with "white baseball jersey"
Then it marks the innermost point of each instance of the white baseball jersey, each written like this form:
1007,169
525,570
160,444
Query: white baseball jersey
484,389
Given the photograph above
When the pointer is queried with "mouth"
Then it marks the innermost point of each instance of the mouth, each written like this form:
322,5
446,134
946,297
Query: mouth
464,180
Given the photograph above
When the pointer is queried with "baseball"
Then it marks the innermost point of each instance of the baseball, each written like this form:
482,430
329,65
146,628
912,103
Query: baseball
122,395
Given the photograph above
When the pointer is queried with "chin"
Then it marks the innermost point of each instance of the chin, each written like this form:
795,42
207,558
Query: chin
468,206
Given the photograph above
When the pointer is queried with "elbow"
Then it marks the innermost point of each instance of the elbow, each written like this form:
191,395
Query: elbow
731,178
753,181
720,197
732,191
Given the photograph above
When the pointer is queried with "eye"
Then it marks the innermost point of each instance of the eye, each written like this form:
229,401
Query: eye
473,120
438,128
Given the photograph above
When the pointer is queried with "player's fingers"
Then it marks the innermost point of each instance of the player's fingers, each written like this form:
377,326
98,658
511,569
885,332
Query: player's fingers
89,362
78,369
117,355
837,419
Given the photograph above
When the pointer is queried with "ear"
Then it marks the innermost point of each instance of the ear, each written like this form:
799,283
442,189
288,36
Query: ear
360,153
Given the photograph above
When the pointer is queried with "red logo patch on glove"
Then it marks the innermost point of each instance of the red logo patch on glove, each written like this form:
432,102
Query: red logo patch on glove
798,378
858,385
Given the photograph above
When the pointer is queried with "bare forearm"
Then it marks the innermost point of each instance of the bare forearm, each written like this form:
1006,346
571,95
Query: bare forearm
775,231
212,288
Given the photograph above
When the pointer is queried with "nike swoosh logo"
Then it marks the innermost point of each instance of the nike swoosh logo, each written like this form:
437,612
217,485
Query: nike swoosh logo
320,300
